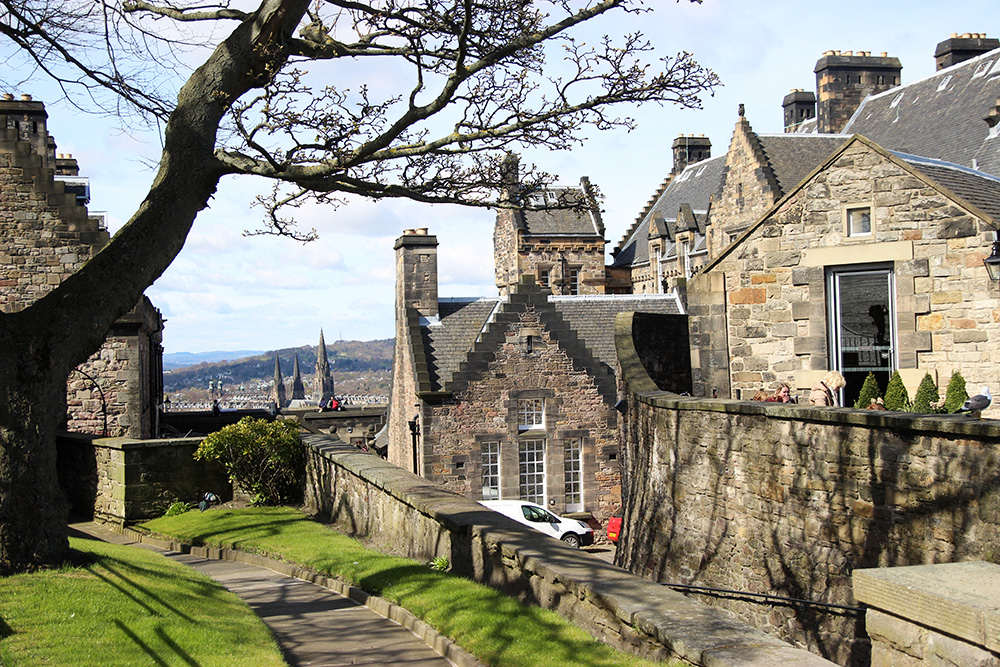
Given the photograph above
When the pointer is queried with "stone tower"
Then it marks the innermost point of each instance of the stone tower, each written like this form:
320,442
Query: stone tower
298,389
323,380
843,80
278,391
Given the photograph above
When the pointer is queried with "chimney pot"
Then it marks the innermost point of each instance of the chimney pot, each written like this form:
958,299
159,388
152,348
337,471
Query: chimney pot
26,98
408,232
885,54
954,35
8,96
421,231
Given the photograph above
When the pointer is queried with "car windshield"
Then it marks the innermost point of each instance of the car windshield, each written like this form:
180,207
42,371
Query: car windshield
537,515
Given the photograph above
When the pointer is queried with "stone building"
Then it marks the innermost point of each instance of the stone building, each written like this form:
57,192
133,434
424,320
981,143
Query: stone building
775,207
562,248
47,234
511,397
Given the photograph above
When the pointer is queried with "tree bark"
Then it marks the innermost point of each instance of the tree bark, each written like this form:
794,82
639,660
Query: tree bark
44,342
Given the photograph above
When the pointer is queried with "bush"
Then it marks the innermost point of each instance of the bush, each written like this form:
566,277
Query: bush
178,508
896,396
955,395
927,395
869,392
265,459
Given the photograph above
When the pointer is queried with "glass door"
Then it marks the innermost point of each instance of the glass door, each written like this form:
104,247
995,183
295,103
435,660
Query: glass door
862,335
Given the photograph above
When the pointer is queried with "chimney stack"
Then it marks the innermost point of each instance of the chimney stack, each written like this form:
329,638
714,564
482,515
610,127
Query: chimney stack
416,272
843,80
689,149
959,48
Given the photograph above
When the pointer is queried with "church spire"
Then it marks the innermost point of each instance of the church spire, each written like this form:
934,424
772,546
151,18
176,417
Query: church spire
323,379
278,391
298,389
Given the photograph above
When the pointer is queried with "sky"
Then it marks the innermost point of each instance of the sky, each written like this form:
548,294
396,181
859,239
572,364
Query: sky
229,292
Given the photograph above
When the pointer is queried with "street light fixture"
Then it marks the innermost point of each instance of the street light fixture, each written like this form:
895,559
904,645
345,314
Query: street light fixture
993,261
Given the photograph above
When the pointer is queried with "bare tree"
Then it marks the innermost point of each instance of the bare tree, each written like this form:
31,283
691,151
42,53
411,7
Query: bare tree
265,102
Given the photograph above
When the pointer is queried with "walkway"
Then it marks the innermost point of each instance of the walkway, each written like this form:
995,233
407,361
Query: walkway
314,625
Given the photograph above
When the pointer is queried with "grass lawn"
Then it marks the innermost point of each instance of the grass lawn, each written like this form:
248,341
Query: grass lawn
119,605
495,628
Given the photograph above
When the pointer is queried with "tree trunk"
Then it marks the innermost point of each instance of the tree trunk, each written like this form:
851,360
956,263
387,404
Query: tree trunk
44,342
32,506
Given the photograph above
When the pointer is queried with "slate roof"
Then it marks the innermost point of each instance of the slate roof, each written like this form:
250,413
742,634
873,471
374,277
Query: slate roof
694,186
593,317
448,339
562,221
793,156
975,187
940,116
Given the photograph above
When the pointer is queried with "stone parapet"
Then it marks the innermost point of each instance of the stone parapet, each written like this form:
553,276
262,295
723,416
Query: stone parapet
405,514
932,614
789,500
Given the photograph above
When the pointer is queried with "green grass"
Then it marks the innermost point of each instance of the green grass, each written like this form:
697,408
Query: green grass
120,605
495,628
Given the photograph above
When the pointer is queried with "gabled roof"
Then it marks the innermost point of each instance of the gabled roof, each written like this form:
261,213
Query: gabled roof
468,330
940,116
693,186
981,191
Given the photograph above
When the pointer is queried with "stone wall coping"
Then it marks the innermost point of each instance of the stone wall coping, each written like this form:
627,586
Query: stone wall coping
951,426
960,599
695,632
127,443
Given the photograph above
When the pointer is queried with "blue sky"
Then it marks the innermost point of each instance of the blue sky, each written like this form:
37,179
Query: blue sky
229,292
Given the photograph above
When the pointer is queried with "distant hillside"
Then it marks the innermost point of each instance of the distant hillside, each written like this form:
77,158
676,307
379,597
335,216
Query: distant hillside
344,356
173,360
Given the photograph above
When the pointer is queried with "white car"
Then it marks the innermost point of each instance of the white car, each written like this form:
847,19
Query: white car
572,532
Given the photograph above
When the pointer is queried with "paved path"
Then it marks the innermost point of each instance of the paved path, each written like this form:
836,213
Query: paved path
314,625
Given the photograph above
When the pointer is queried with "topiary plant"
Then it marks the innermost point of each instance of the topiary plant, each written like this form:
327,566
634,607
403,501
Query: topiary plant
927,395
955,395
896,396
869,391
264,458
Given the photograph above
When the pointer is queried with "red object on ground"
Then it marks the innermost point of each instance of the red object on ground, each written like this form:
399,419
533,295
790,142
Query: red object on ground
615,526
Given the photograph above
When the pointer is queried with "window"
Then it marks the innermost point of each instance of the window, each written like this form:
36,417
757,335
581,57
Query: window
574,281
862,332
573,468
543,277
531,470
530,413
859,221
491,470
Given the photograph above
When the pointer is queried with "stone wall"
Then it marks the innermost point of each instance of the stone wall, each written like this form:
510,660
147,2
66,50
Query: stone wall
947,614
122,481
404,514
115,393
788,500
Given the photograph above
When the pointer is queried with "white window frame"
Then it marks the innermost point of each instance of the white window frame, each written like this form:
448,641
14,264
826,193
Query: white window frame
849,221
530,413
573,473
490,457
531,470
